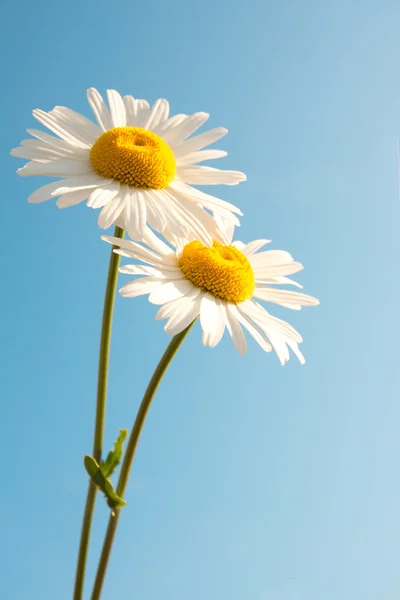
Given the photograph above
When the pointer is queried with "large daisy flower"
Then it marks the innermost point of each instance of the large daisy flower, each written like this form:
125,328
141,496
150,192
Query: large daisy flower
136,163
222,284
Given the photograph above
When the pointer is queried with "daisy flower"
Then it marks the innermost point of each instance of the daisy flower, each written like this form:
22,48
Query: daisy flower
136,163
222,284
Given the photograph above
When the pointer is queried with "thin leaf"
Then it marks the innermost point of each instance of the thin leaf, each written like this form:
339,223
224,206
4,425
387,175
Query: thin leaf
114,456
103,483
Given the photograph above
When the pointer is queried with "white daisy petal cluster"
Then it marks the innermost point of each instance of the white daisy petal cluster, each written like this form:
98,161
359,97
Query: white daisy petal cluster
221,285
139,165
136,163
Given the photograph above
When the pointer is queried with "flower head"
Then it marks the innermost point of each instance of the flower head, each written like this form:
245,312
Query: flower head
137,164
222,284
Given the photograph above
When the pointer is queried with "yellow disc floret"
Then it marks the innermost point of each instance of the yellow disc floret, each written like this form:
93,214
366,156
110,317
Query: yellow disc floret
134,156
223,271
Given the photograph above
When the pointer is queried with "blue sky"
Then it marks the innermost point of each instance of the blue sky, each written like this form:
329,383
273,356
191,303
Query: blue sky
251,480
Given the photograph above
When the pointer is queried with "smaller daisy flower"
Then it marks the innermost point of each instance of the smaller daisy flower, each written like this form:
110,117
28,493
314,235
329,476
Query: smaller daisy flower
136,163
221,284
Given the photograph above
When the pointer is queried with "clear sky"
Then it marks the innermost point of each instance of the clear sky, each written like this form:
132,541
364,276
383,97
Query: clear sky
252,481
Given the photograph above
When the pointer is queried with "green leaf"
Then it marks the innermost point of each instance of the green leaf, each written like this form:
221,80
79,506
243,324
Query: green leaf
93,469
113,500
100,474
114,456
97,476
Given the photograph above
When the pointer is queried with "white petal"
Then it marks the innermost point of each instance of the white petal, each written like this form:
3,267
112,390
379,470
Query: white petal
38,153
189,311
170,291
169,309
208,176
130,214
271,258
137,111
212,319
267,323
285,281
111,211
254,246
202,155
143,110
138,270
158,114
226,227
213,339
285,298
43,193
169,124
187,201
152,240
186,127
99,109
199,141
102,196
49,144
177,242
173,308
200,223
131,110
175,223
60,127
209,312
155,214
236,332
88,131
280,346
57,168
117,108
81,182
67,200
293,346
275,273
256,333
140,252
135,214
206,200
239,245
146,270
163,215
140,287
53,142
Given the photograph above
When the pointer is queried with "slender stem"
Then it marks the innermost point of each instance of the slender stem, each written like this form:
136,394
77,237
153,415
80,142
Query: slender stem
100,412
105,348
130,453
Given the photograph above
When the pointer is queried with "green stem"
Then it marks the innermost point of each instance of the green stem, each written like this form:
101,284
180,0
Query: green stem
100,412
130,453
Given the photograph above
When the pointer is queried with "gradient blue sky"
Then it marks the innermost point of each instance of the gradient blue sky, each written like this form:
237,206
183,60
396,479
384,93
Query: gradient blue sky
251,480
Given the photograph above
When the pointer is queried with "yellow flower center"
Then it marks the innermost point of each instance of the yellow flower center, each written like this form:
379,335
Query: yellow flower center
223,271
134,156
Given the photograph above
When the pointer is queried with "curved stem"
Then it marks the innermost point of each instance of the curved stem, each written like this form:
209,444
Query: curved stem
100,412
130,453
